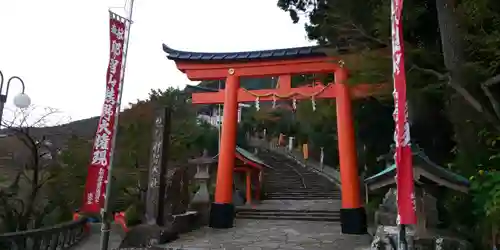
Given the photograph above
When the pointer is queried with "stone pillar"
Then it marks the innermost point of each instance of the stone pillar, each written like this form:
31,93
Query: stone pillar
154,229
154,211
322,158
201,199
239,113
259,186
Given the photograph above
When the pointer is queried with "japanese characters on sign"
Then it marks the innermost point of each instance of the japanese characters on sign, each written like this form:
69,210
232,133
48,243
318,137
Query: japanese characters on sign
102,148
155,169
403,154
156,154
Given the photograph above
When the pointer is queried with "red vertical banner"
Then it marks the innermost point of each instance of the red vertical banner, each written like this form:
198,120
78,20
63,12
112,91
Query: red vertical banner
403,154
102,150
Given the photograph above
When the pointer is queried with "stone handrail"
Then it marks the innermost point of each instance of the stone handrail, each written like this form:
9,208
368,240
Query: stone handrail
60,237
327,171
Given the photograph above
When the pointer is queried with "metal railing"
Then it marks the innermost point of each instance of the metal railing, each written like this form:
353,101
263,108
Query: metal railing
59,237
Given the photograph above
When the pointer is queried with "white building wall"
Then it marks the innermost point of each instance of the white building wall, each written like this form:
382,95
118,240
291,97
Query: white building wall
215,119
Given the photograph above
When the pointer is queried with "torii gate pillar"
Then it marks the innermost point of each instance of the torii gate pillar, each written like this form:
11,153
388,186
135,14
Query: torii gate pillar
283,63
352,213
222,210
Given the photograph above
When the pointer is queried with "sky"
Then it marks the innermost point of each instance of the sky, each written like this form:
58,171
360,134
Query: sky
60,47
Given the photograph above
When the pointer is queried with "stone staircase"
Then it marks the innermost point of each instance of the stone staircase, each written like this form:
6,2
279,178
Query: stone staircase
290,181
284,214
297,189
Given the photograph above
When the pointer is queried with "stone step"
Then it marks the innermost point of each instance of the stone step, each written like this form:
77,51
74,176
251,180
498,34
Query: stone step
284,182
303,193
301,218
302,198
267,210
277,179
308,185
298,190
271,194
285,214
290,171
290,181
298,181
301,188
291,213
304,173
279,193
287,186
277,176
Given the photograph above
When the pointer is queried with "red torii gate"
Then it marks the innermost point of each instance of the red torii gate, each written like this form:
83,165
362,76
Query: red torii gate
282,63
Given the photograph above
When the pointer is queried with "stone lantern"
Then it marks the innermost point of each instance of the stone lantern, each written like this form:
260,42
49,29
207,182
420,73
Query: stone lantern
201,199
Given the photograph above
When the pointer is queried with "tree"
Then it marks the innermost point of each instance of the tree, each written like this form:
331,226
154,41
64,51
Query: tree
451,53
133,144
34,159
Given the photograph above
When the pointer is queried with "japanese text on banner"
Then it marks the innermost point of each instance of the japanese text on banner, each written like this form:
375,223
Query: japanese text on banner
102,150
403,154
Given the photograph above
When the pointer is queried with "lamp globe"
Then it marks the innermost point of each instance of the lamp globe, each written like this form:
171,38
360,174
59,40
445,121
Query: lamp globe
22,100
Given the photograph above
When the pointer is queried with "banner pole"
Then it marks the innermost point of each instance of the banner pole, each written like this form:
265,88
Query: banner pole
105,218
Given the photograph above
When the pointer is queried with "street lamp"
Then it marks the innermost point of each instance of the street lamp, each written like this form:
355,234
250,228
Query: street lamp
21,100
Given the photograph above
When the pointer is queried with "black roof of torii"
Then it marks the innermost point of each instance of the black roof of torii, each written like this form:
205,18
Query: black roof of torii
259,55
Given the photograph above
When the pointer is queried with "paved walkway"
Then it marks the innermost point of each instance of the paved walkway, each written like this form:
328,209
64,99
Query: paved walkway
268,232
275,234
311,205
93,242
261,234
271,234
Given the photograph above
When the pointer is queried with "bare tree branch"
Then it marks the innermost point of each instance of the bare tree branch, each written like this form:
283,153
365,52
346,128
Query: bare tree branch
363,33
26,113
34,116
44,181
42,119
469,98
440,76
492,81
9,123
473,102
23,173
494,103
40,174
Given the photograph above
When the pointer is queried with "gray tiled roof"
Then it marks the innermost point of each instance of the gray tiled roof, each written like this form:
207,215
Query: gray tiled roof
290,53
